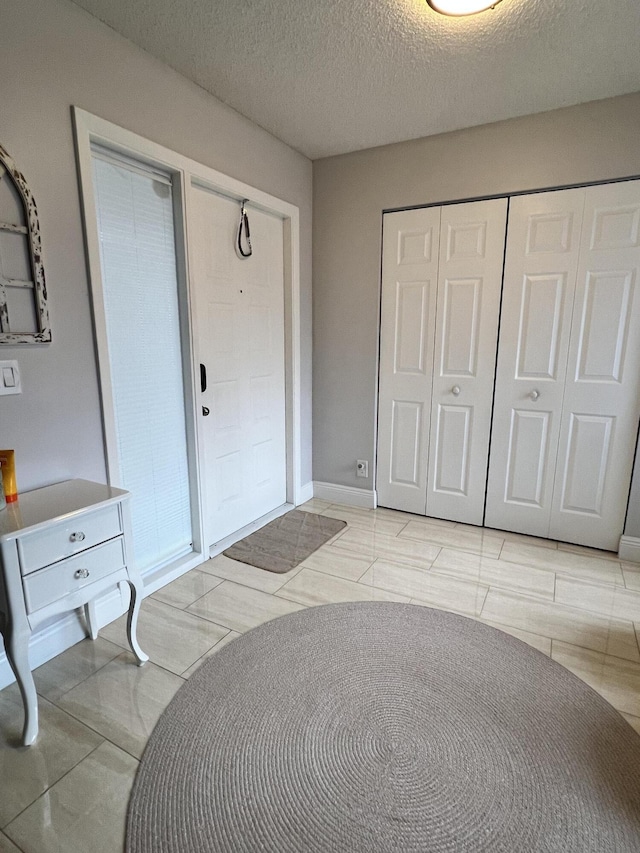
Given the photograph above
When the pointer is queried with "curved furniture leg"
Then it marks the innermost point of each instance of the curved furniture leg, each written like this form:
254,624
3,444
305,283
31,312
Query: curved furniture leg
17,649
90,618
132,621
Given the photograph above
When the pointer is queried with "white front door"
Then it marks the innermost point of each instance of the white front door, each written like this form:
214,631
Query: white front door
441,278
239,310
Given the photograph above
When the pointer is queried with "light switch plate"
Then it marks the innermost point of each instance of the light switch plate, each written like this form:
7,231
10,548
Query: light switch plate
10,378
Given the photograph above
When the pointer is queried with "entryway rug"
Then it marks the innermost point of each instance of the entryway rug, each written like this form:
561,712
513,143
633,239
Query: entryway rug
286,541
374,727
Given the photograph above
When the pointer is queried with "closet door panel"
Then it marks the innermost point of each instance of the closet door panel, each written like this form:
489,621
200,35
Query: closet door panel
469,281
602,398
541,262
409,282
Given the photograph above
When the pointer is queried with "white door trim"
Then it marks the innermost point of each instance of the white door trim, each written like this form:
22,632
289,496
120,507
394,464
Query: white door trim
92,129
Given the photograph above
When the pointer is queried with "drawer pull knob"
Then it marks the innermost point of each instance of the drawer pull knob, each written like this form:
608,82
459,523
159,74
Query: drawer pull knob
77,537
81,573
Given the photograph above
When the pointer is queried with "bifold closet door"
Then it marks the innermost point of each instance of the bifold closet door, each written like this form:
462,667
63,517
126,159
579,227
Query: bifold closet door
468,303
441,278
541,265
602,397
410,247
567,396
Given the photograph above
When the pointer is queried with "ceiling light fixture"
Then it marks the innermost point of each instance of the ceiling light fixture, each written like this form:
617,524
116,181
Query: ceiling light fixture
458,8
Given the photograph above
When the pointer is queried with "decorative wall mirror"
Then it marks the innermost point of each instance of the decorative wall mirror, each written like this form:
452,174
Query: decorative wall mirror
24,316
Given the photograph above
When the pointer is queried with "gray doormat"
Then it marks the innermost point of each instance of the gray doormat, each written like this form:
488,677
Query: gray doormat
286,541
374,727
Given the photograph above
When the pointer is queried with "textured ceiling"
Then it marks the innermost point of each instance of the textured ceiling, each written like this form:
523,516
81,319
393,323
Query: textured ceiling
330,76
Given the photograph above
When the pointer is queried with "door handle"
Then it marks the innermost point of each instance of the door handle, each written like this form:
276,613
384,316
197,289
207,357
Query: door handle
534,395
455,390
205,411
203,378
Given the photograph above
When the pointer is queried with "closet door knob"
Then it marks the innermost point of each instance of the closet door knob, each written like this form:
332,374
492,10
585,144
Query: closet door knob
534,395
455,390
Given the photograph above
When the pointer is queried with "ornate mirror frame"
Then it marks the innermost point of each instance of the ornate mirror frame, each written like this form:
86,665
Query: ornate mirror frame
30,229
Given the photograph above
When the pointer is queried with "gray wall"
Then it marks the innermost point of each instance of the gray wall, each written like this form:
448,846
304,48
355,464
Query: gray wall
53,55
591,142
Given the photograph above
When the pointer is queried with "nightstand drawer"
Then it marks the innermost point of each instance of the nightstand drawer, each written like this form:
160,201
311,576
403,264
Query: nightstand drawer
54,582
69,537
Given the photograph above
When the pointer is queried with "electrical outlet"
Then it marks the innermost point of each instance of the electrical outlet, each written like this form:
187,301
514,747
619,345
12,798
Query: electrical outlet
362,468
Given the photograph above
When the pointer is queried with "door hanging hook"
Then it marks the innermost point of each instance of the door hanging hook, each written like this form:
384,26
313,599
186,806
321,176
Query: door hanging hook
243,226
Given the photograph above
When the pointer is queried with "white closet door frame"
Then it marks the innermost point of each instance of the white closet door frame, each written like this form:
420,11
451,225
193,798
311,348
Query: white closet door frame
92,129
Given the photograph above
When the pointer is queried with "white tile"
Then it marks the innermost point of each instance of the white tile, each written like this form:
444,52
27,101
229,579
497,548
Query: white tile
478,540
369,545
313,588
187,589
510,536
174,639
406,517
588,552
232,635
330,561
241,608
577,565
122,701
606,599
7,846
84,811
426,587
26,772
559,622
492,572
314,505
233,570
618,681
63,672
367,519
631,578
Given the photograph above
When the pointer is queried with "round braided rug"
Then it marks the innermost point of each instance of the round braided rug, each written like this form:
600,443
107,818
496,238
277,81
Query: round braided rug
376,727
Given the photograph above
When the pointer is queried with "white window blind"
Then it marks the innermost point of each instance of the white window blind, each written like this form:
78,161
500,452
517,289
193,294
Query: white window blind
140,291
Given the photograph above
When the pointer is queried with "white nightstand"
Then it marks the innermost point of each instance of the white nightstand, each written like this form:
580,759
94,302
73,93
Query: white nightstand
60,548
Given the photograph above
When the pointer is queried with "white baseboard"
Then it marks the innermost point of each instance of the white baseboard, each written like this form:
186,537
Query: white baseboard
305,493
345,495
629,549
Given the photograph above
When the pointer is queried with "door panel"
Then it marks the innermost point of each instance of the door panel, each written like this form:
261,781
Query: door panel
541,262
469,282
461,319
453,439
602,399
540,323
527,451
582,485
239,309
409,281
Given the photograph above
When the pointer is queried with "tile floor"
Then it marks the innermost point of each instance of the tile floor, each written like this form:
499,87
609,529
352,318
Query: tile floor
69,792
